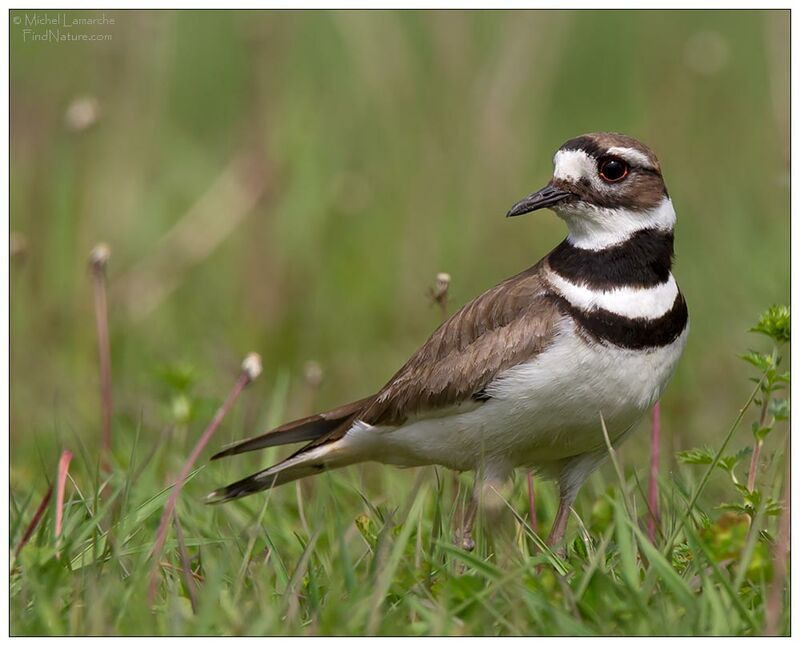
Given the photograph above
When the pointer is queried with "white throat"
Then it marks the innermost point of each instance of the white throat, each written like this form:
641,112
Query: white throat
594,227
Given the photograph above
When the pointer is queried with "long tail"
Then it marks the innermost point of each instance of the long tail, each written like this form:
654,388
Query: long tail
300,465
309,460
300,430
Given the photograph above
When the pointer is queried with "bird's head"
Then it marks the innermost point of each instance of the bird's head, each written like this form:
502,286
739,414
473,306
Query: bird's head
605,186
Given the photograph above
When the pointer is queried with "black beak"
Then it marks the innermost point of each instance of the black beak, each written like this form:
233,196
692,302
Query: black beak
541,199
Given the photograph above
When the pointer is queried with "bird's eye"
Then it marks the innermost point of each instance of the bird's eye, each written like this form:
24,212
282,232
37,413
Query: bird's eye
613,169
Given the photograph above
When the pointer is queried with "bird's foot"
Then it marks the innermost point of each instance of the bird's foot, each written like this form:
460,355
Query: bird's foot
467,543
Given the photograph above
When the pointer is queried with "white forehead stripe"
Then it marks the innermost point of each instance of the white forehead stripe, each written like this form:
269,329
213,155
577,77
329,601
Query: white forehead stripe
573,164
631,155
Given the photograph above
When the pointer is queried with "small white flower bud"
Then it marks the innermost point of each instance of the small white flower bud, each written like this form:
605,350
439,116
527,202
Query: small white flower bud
18,244
312,372
442,283
82,113
99,257
252,365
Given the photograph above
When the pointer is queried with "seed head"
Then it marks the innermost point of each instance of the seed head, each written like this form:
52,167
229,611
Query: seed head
82,113
442,282
99,257
17,245
251,365
312,372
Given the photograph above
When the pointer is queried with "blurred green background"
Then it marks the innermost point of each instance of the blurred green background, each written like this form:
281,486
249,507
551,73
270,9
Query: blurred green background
291,182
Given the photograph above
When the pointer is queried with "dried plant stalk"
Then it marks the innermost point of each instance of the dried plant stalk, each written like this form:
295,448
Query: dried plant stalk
61,486
251,368
37,517
98,261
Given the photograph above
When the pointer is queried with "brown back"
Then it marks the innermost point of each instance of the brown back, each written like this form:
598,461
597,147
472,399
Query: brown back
507,325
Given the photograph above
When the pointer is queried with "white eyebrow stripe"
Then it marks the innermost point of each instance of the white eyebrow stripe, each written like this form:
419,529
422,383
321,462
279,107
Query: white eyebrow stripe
632,155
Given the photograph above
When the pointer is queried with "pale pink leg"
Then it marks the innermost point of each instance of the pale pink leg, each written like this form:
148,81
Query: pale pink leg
464,537
560,523
573,474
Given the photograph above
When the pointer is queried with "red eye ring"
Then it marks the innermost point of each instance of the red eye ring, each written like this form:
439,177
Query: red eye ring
613,169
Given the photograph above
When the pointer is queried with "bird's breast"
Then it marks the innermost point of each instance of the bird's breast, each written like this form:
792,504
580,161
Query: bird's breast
552,404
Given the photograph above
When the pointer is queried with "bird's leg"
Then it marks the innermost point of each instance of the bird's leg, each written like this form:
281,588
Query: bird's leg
568,491
487,494
464,535
572,475
560,523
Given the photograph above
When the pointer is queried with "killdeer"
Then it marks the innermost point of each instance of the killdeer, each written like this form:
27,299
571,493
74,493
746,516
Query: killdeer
520,376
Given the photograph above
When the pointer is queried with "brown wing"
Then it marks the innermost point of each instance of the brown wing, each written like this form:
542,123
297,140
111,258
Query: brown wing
507,325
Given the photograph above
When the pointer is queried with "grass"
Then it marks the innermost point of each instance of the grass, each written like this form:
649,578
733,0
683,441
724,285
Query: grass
366,557
291,183
377,558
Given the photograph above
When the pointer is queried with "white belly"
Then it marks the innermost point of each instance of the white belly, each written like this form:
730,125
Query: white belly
539,412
